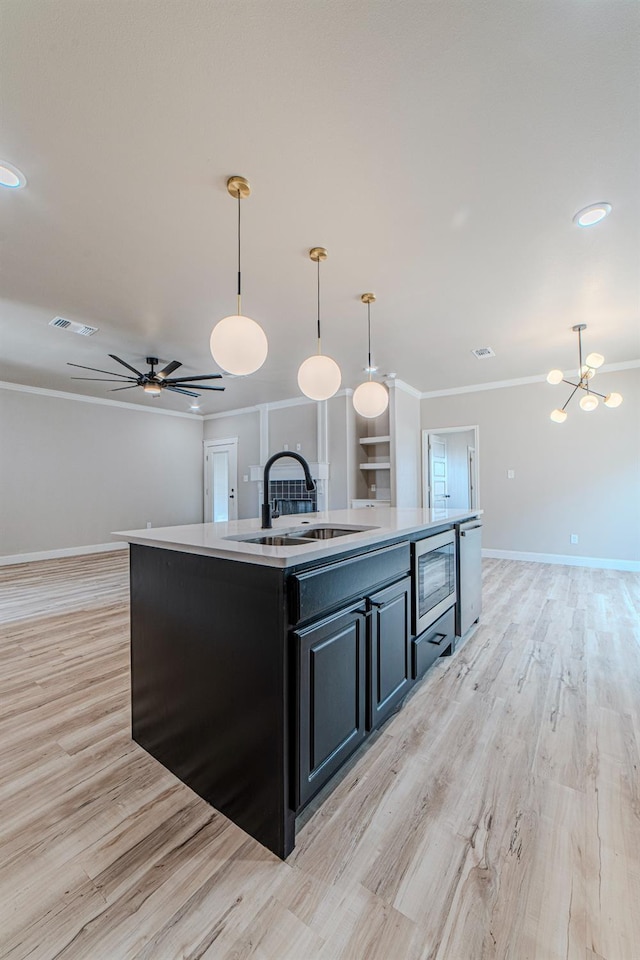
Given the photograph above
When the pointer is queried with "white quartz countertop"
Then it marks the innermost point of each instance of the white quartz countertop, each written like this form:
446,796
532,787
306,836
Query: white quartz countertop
209,539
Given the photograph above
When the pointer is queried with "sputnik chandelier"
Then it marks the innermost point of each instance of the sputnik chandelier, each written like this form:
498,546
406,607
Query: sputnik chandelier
586,372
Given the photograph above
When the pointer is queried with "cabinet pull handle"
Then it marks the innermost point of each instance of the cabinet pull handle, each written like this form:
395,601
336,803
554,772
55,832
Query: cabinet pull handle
376,603
437,638
365,613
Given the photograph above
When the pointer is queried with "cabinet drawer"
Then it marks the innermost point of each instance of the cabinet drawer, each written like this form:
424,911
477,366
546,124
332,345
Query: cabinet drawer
329,587
431,644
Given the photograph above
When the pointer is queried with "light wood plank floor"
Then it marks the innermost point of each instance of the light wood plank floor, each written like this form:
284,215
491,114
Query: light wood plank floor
497,816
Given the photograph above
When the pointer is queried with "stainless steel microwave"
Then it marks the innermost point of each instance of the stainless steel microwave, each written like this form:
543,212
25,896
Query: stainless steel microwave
433,571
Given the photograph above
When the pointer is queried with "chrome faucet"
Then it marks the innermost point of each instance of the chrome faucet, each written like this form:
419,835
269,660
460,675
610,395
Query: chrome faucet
266,506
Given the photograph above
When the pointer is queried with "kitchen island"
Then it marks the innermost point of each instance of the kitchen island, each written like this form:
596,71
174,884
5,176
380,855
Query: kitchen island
258,668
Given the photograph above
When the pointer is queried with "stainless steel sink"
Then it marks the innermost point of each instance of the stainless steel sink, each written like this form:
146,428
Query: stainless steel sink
327,533
298,536
276,540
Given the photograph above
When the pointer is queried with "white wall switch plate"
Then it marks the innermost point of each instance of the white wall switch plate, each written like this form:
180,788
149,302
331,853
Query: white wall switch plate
148,524
245,477
298,447
574,538
285,446
511,474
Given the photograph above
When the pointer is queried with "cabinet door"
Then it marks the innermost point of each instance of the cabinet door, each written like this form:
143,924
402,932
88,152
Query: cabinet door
331,698
390,650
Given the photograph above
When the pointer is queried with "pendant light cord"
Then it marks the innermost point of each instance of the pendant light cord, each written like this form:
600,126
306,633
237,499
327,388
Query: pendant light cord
239,262
319,339
369,330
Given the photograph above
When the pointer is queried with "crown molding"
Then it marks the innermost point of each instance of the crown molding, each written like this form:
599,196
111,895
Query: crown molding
274,405
405,387
103,401
523,381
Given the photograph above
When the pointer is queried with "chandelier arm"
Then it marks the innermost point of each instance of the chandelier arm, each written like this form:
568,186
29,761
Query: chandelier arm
571,383
571,396
590,390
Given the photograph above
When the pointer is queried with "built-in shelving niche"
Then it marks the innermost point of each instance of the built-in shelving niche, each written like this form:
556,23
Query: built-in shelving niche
374,460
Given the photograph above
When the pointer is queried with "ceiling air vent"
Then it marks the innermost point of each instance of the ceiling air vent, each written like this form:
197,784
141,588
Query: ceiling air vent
481,353
82,328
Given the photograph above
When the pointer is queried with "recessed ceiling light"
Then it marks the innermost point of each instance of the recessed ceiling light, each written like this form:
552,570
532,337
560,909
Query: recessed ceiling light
194,406
594,213
10,176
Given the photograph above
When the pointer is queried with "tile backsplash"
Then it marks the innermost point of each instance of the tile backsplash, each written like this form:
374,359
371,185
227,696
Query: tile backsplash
292,490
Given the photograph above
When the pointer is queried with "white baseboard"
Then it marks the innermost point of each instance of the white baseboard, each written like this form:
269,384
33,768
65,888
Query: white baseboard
598,563
61,552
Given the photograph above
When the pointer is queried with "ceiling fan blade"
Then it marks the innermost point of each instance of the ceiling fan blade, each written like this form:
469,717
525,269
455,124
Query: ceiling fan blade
170,367
197,386
102,380
112,373
132,387
187,393
127,365
206,376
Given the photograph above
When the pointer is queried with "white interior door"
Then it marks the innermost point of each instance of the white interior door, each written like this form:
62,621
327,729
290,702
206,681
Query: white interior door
439,494
221,480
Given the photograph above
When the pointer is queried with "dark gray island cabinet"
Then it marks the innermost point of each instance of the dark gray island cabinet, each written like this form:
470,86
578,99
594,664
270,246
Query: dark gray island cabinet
253,683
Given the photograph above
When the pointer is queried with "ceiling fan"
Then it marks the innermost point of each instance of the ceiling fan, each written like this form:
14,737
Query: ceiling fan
154,381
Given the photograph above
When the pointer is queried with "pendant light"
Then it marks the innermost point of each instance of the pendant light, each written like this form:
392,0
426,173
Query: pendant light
371,398
319,376
586,372
238,344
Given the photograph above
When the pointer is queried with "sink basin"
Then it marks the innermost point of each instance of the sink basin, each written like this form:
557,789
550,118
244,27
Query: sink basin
328,533
299,536
277,540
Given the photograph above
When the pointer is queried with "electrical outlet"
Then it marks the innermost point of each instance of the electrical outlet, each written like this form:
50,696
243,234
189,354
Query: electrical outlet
245,478
148,524
373,488
285,446
574,538
511,474
298,447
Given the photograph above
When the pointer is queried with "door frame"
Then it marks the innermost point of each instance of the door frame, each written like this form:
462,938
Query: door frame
230,444
426,502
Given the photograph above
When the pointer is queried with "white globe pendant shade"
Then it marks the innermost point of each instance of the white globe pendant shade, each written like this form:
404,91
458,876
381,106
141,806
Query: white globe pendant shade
370,399
239,345
613,400
319,377
558,416
589,402
555,376
594,360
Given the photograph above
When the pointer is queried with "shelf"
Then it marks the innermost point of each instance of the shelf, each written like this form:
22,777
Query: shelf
366,441
375,466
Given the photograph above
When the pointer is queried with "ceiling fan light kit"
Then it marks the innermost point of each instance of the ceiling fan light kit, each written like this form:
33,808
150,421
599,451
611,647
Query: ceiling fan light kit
371,398
238,344
319,376
586,372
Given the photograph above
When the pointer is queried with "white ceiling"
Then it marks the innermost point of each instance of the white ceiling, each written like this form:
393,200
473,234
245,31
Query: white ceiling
437,149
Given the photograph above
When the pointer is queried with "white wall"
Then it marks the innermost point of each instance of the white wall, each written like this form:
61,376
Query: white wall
246,427
582,476
71,472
